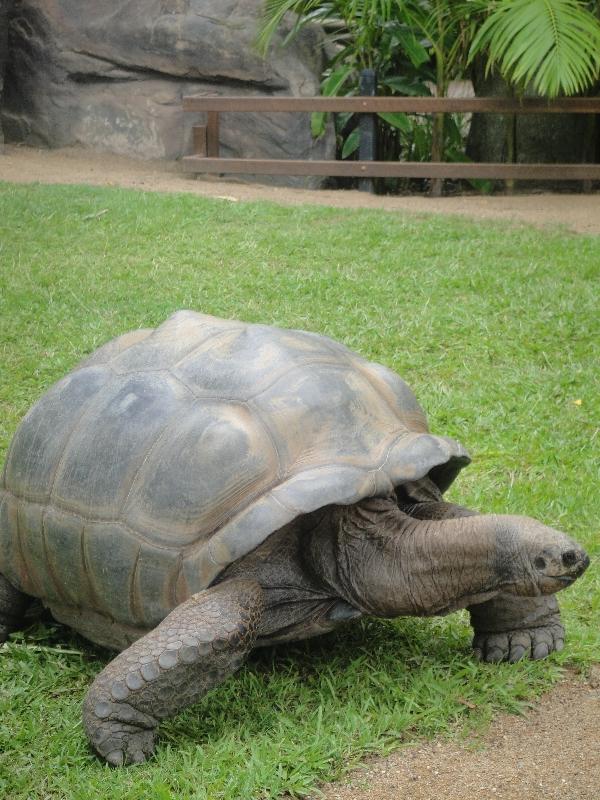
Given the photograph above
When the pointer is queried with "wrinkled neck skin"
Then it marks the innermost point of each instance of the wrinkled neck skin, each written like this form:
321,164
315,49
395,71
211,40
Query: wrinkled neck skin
389,564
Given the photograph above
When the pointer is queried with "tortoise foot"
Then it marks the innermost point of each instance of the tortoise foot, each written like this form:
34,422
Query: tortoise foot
515,645
120,733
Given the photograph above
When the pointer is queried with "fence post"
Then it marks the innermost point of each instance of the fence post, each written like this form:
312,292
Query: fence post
588,147
212,134
367,149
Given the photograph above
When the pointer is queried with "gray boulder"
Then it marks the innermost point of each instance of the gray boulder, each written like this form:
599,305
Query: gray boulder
111,75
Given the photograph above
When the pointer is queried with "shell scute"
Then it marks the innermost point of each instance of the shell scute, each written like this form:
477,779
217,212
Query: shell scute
66,578
397,394
29,520
154,585
111,556
175,340
109,351
40,440
214,459
241,364
329,415
111,441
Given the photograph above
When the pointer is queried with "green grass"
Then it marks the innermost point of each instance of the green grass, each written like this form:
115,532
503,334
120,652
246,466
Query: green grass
496,328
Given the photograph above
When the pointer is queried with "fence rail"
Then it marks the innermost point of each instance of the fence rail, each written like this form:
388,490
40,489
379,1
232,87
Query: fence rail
206,159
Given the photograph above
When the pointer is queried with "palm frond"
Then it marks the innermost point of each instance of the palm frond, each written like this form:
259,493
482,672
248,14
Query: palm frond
274,11
359,16
552,45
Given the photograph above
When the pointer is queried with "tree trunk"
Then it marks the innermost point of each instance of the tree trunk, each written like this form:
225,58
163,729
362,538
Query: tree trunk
4,6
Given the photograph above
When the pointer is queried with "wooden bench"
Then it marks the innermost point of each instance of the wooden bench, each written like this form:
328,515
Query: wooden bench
206,159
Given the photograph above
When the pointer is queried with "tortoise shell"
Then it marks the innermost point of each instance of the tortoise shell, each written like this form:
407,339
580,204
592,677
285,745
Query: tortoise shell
170,453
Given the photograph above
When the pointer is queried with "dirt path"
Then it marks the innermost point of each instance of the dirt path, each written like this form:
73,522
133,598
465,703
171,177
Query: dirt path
553,751
577,213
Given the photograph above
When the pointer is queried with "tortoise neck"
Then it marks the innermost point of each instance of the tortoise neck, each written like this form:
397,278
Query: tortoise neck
388,564
345,536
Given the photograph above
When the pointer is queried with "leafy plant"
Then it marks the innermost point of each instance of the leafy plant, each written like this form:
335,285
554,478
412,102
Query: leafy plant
551,45
374,34
397,73
417,47
413,47
445,26
358,25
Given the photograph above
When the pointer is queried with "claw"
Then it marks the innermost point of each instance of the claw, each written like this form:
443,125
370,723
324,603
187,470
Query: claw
541,650
495,655
116,758
516,653
512,646
137,758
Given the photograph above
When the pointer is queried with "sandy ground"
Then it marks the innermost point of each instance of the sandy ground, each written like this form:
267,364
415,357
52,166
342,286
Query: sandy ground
577,213
551,753
554,750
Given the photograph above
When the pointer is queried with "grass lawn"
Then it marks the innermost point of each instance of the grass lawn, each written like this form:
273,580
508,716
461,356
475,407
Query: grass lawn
497,330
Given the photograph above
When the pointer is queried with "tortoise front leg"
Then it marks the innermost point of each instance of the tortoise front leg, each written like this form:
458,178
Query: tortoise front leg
436,509
194,649
509,628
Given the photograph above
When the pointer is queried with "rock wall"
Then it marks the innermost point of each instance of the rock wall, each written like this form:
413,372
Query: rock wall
110,75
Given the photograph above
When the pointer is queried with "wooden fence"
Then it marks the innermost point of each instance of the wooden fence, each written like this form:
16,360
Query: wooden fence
206,159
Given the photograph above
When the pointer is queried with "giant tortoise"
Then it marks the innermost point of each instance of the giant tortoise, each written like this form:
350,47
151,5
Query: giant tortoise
191,492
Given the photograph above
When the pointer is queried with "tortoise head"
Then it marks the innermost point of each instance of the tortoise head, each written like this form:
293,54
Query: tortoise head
537,559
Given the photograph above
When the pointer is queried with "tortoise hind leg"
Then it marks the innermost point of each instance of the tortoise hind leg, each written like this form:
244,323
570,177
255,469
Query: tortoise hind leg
13,605
196,647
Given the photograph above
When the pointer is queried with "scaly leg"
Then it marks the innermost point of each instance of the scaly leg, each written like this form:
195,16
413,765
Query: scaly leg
194,649
422,499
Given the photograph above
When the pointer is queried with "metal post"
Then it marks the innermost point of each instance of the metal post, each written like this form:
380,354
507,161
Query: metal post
367,150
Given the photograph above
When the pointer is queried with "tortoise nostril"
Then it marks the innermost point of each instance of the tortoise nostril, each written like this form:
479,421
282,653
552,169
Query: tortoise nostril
539,562
570,558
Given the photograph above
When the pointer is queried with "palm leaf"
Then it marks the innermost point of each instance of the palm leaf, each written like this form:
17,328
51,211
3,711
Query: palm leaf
552,45
359,16
275,10
331,87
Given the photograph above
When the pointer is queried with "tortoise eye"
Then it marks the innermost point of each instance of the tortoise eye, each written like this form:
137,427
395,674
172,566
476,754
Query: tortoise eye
539,563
